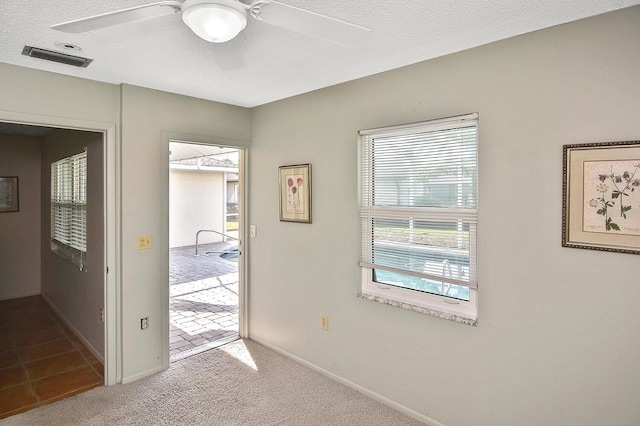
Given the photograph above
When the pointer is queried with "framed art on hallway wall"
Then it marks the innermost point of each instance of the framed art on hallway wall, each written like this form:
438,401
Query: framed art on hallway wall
9,194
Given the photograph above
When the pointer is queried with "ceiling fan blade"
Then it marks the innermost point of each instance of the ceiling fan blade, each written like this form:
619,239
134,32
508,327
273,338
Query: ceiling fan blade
119,17
313,24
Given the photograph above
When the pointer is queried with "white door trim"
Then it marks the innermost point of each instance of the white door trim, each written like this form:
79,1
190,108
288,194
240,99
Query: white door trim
242,233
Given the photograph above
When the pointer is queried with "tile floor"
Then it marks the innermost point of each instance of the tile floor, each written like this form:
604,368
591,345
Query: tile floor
203,299
41,360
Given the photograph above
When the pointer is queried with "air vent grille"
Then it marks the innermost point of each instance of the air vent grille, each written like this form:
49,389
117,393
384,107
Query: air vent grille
50,55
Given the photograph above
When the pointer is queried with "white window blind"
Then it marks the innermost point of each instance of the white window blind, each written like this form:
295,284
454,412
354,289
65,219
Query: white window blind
69,207
418,204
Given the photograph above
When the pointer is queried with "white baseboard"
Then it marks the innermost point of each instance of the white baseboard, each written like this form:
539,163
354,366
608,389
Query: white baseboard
142,375
384,400
18,296
79,335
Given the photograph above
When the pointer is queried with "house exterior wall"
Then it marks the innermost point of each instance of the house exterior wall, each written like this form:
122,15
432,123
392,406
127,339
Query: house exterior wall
20,231
557,341
196,201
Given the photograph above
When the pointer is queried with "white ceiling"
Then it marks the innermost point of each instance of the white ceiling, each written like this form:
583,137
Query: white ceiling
179,151
266,63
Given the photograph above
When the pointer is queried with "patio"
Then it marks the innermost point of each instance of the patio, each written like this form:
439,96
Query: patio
203,299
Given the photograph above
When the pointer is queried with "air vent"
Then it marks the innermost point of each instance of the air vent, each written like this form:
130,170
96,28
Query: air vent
50,55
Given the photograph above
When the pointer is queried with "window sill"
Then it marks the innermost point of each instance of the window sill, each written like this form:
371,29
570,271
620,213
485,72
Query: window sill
420,309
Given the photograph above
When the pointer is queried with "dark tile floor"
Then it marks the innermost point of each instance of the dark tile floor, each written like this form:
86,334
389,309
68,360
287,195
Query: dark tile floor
41,360
203,299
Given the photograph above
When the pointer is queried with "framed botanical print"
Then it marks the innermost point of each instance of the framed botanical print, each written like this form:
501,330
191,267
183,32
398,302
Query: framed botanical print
601,196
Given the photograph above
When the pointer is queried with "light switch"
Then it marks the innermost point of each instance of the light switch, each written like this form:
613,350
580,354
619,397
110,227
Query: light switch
145,242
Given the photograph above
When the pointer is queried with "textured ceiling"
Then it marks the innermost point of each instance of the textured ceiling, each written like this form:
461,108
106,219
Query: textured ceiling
266,63
22,130
179,151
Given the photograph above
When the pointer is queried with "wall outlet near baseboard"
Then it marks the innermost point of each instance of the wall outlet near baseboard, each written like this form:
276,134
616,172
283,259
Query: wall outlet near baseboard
144,323
324,323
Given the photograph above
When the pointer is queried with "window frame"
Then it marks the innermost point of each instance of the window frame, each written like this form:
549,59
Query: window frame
441,306
69,198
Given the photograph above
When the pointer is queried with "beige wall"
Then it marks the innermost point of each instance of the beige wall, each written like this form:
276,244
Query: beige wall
557,342
137,188
149,119
196,201
78,296
20,231
44,94
31,96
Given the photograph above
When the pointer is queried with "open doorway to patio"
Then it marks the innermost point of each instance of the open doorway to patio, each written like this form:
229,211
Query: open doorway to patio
203,247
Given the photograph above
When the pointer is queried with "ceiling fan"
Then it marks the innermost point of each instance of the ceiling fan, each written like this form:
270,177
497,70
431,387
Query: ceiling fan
219,21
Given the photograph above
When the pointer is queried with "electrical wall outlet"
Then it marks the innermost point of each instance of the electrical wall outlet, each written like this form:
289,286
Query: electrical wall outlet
101,314
144,323
324,323
145,242
253,231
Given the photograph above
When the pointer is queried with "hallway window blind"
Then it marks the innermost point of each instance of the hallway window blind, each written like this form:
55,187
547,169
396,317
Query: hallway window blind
69,208
418,209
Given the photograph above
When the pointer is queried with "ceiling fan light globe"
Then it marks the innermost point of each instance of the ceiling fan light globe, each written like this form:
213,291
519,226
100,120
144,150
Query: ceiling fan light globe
215,21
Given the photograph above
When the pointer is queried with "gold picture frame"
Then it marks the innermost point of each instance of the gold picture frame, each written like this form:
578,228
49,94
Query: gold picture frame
9,201
601,196
295,193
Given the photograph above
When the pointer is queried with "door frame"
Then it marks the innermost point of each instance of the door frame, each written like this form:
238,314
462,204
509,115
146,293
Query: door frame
112,226
243,323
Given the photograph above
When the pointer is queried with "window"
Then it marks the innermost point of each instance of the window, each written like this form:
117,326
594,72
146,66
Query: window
418,215
69,208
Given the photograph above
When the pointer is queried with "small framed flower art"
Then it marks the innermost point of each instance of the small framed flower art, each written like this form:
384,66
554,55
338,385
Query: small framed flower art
295,193
601,196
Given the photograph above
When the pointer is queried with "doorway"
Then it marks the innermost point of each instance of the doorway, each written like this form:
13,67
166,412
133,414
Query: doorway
204,247
52,315
110,315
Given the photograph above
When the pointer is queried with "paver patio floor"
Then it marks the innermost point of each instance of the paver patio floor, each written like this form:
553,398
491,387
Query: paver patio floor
203,299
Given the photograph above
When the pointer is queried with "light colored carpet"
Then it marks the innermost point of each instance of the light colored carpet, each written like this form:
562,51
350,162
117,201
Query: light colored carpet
241,383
